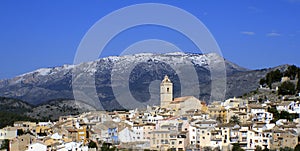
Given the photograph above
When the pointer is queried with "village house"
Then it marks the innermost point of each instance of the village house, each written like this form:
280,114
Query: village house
8,133
20,143
37,146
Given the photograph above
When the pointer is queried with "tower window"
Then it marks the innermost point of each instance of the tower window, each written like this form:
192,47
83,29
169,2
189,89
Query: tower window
168,89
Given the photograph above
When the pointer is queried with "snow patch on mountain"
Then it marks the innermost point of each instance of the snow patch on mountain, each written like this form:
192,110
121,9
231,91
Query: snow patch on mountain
44,71
122,62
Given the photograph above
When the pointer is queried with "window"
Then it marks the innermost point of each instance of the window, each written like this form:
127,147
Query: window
180,142
168,89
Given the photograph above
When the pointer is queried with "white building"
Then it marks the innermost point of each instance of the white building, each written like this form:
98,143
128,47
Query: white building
8,133
194,136
260,114
263,117
72,146
138,132
126,135
37,147
289,106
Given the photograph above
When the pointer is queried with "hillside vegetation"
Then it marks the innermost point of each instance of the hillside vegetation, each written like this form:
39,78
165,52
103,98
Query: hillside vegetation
290,83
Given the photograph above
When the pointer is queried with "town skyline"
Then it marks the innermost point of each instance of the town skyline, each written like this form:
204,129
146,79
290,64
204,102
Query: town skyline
256,121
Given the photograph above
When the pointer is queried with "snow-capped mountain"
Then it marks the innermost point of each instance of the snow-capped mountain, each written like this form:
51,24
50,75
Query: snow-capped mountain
142,69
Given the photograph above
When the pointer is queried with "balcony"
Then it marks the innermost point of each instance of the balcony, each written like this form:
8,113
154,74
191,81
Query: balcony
234,139
216,138
244,140
164,142
265,143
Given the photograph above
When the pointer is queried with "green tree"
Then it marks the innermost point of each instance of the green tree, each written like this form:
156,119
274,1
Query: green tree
262,81
234,119
286,149
266,149
273,76
291,72
284,115
8,118
237,147
276,114
287,88
297,148
258,148
107,147
207,149
5,145
92,144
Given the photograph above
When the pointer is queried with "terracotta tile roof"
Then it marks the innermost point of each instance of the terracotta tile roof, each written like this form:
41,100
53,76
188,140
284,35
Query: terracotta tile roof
255,106
71,130
181,99
285,103
226,125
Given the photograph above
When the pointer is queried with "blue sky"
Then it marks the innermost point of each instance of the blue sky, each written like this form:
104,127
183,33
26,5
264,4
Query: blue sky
252,33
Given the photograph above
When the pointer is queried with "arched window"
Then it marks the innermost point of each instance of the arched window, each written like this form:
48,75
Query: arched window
168,89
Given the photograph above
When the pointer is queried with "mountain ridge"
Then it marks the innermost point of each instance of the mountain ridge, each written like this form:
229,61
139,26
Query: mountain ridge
46,84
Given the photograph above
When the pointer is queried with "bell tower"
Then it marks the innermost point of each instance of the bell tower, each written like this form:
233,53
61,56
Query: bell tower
166,92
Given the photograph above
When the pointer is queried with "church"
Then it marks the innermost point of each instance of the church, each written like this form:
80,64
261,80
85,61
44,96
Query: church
181,104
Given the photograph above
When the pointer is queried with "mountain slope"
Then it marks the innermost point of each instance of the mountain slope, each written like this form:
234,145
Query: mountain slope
55,83
14,105
12,110
53,109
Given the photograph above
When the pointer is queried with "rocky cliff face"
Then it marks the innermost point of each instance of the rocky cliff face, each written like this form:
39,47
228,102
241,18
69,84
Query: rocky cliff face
145,71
